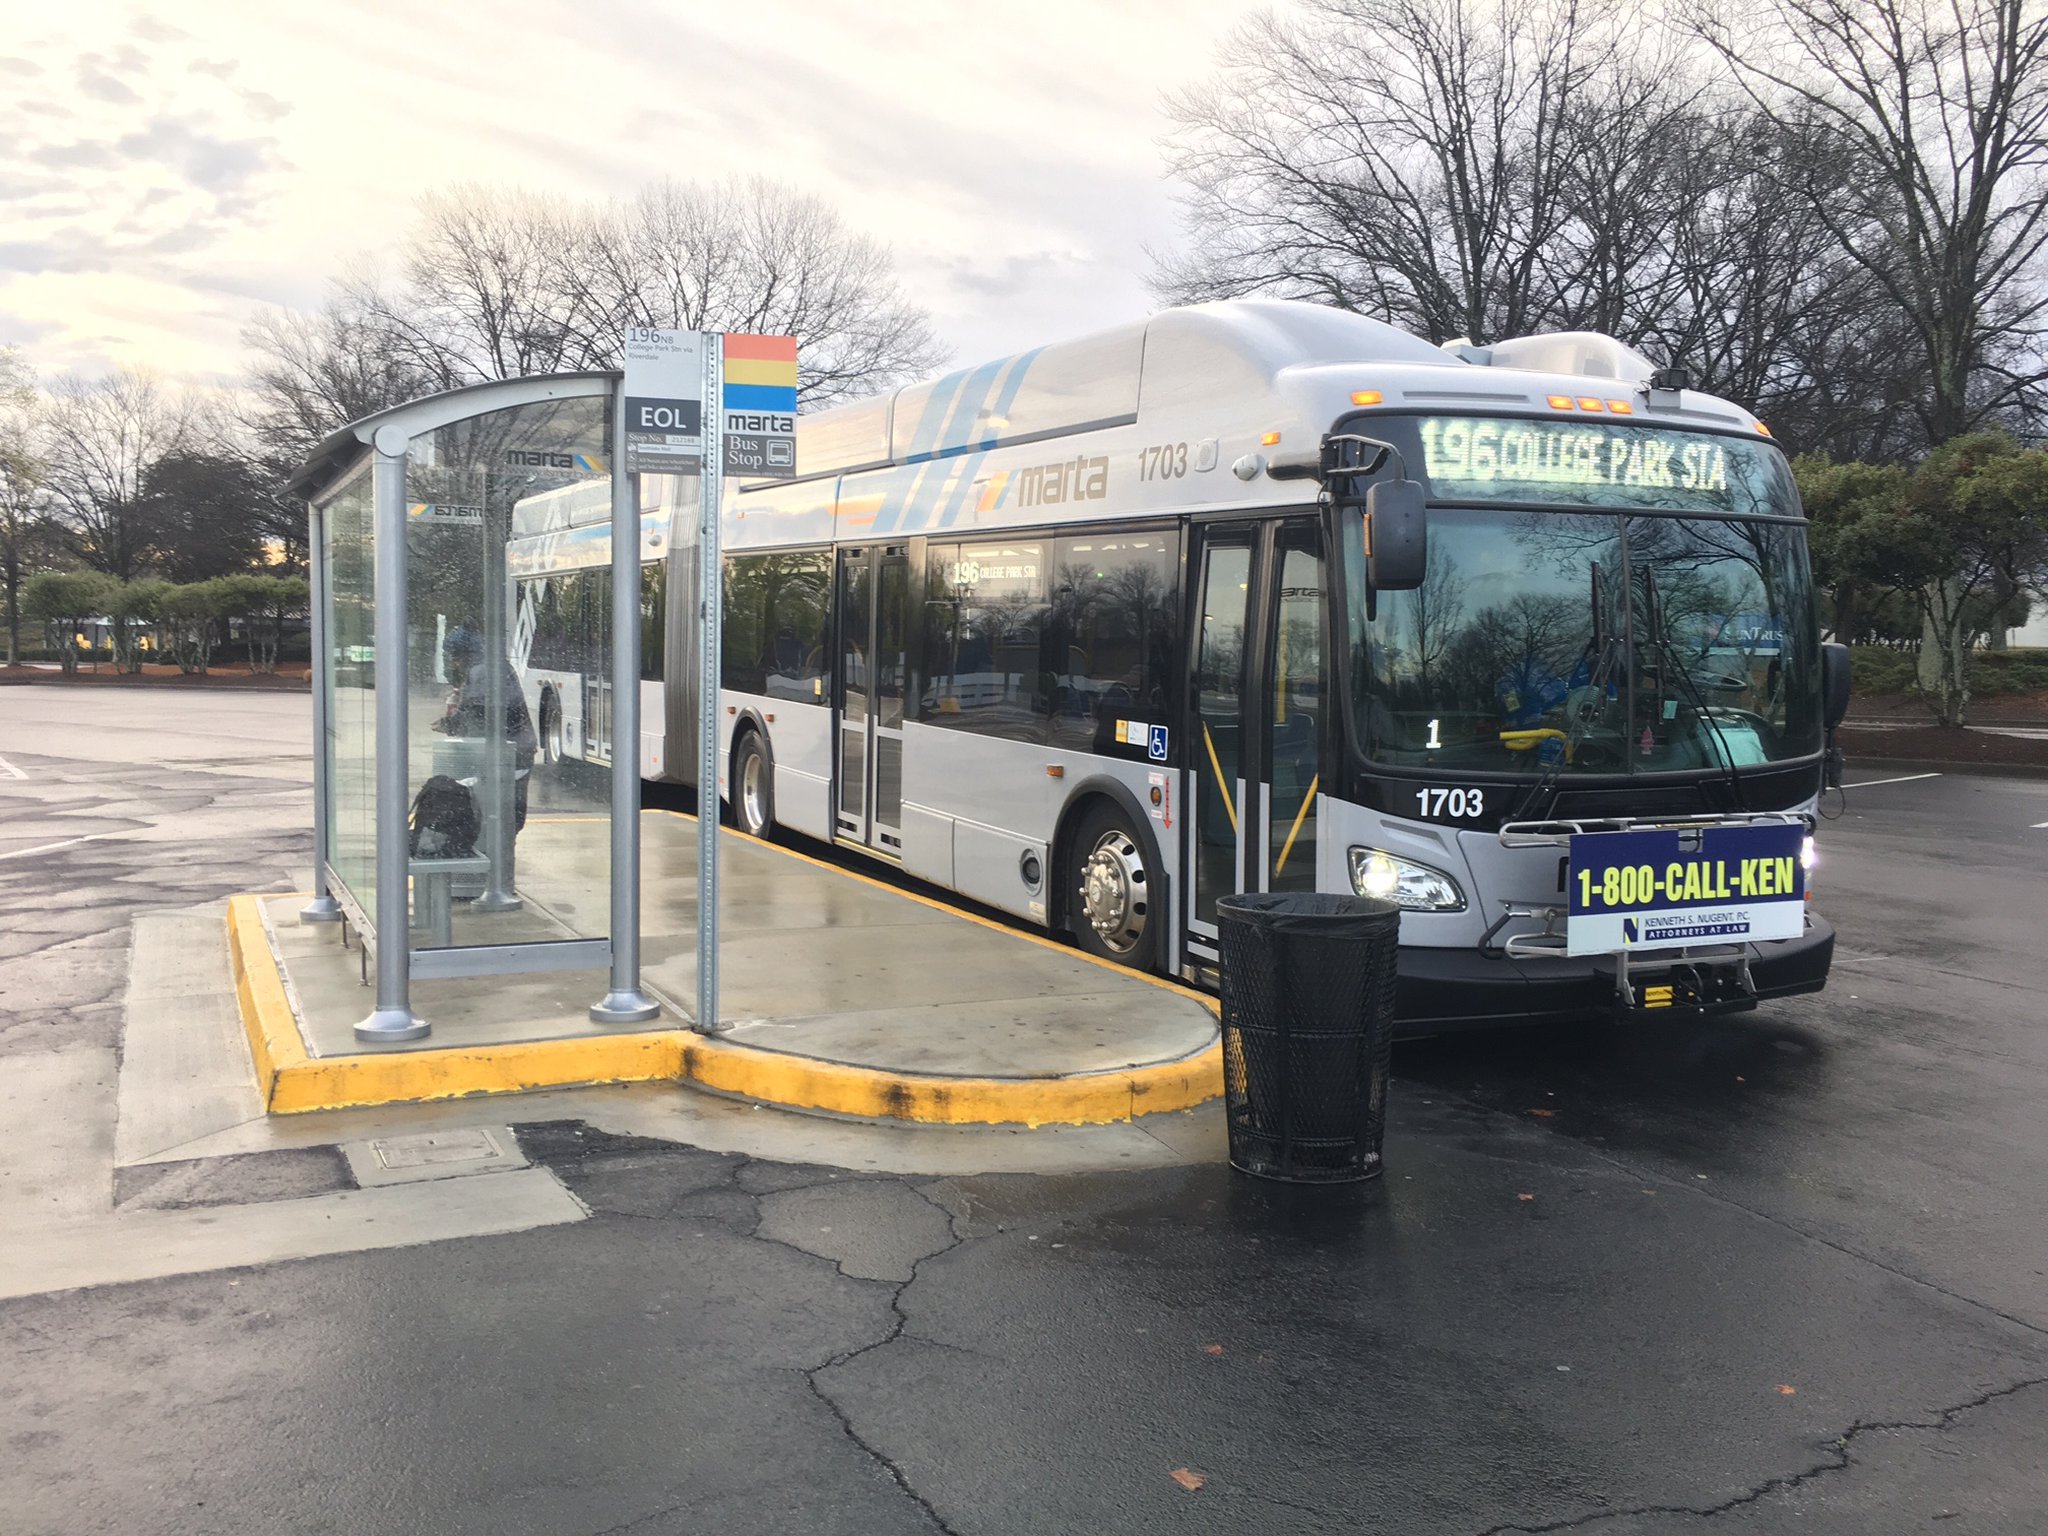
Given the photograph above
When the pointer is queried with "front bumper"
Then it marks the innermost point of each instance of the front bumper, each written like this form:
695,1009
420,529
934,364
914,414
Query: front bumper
1450,989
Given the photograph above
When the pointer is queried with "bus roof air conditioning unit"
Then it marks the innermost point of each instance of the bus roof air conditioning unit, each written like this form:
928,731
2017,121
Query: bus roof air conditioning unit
1588,354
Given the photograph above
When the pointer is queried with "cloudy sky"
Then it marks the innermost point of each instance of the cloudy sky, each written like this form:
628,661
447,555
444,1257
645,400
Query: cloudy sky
169,170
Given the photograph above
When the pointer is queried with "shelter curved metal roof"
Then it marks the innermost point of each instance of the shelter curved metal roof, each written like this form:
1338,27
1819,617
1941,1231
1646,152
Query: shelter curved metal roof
341,450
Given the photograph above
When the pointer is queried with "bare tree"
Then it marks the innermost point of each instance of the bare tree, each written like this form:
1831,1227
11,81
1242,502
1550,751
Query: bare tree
103,435
1414,159
484,293
496,283
1476,169
315,370
1937,111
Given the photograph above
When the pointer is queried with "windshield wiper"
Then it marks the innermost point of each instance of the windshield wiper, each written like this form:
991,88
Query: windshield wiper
1653,602
1606,650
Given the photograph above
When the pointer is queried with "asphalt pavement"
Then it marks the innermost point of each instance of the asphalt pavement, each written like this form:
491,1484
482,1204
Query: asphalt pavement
1781,1271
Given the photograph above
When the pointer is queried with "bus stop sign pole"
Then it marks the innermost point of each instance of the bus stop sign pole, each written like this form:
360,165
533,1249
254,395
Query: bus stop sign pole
625,1003
711,592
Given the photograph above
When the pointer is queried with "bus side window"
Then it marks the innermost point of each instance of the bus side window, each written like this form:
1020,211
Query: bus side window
1116,617
774,633
986,633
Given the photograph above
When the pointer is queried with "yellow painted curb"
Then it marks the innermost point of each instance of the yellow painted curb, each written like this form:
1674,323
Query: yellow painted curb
1093,1098
292,1082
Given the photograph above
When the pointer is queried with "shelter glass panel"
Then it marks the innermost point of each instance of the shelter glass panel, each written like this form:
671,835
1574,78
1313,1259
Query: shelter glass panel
510,682
349,529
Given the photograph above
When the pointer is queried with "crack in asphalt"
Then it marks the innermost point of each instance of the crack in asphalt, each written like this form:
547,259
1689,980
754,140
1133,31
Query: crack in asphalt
576,1171
1839,1459
896,1331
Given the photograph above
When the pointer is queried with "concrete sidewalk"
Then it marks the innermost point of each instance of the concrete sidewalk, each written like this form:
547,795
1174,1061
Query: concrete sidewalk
839,993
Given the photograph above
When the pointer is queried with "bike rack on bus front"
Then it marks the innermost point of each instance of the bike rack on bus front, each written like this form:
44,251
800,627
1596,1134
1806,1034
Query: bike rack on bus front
1691,969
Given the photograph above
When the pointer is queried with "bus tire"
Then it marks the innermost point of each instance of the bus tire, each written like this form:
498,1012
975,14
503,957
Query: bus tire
550,728
753,787
1112,875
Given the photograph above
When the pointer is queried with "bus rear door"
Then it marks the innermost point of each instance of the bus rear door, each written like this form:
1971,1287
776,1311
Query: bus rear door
871,674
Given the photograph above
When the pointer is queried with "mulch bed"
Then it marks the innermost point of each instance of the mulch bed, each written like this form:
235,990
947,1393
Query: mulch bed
292,678
1932,744
1985,709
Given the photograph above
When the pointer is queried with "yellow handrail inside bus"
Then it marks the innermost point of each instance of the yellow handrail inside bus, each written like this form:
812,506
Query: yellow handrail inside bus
1216,763
1300,816
1522,741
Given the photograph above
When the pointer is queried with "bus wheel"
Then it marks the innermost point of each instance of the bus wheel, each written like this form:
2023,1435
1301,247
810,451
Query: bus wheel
1110,888
753,783
550,728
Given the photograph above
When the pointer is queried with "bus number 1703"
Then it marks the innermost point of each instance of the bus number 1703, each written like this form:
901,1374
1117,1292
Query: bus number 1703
1454,803
1163,461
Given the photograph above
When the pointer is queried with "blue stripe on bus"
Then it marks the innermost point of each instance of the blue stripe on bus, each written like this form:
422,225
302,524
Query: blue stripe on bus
1020,366
934,415
967,406
963,492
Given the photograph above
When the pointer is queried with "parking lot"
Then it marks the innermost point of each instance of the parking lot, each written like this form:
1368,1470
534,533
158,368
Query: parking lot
1786,1269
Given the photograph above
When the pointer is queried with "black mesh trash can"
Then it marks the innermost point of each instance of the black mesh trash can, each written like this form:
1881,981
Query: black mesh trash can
1308,1030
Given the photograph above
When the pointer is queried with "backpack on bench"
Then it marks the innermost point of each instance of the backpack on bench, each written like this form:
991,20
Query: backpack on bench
445,820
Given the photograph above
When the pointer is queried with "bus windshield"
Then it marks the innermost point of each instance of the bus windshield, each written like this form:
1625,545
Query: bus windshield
1592,643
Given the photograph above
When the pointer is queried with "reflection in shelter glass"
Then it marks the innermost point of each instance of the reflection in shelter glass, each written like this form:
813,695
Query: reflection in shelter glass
510,684
349,531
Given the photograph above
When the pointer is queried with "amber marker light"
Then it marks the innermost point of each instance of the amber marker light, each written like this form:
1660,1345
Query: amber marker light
1621,408
1366,397
1560,402
1268,439
1588,403
1763,429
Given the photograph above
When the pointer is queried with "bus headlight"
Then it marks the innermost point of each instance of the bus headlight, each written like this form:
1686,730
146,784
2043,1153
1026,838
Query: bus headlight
1416,887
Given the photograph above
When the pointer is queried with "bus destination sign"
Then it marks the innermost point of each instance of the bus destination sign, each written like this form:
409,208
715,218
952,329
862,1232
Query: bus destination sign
1478,458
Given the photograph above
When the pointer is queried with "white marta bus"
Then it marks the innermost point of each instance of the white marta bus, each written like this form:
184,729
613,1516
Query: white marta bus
558,561
1102,632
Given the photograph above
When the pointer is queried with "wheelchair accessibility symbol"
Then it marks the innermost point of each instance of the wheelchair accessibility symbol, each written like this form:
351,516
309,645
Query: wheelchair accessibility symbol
1155,748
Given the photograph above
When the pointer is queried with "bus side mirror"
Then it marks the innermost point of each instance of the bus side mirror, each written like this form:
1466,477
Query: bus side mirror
1396,536
1834,683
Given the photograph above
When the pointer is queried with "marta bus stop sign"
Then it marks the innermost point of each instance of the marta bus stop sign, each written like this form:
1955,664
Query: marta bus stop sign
665,401
759,402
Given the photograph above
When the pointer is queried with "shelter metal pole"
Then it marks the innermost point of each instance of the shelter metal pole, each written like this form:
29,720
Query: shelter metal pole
711,592
393,1018
625,1003
499,892
323,908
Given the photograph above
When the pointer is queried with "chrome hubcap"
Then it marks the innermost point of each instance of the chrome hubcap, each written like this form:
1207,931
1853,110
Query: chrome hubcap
1113,894
753,793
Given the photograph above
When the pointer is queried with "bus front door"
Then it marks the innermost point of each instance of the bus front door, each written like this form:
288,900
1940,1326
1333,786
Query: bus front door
871,674
1260,707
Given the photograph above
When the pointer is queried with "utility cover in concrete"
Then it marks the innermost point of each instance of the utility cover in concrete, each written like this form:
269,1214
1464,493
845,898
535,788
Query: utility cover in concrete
434,1155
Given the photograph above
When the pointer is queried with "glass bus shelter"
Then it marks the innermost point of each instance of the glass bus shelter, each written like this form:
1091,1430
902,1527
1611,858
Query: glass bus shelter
466,819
